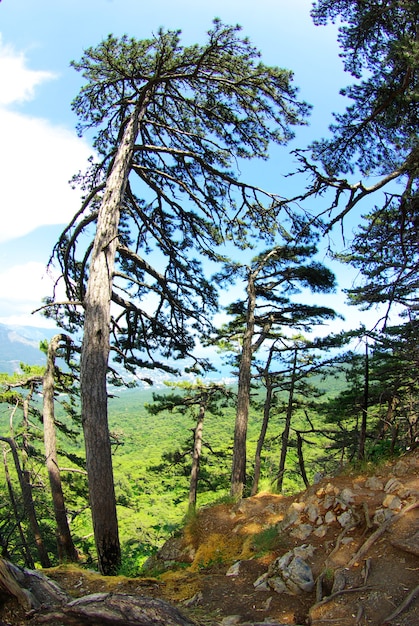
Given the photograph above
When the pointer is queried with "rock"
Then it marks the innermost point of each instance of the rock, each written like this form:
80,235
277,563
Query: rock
401,468
346,519
392,502
346,496
393,485
261,584
234,569
408,544
381,516
292,515
330,517
300,574
321,531
313,512
231,620
302,531
290,573
374,483
305,551
277,585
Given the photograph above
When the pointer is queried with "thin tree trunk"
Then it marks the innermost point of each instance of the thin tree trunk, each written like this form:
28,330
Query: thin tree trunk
301,459
286,433
95,355
27,556
196,459
65,545
364,410
262,435
238,474
28,504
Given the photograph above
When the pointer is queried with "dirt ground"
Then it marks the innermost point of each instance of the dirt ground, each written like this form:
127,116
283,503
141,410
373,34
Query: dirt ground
380,586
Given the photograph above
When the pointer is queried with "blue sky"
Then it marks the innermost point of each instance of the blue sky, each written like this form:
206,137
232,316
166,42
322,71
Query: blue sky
40,150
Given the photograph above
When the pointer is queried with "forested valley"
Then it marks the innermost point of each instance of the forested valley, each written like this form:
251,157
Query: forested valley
101,465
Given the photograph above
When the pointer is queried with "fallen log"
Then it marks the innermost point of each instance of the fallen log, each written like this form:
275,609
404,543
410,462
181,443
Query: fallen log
44,602
115,609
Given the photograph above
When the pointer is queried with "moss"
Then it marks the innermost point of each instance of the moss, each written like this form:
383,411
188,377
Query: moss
216,549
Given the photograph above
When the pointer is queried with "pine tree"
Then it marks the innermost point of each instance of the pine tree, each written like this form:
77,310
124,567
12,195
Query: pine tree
172,121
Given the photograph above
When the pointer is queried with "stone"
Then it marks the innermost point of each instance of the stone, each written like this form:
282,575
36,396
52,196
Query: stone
321,531
302,531
234,570
292,515
300,574
313,512
328,502
290,573
231,620
374,483
401,468
393,485
261,584
330,517
346,519
277,585
305,551
381,516
347,496
392,502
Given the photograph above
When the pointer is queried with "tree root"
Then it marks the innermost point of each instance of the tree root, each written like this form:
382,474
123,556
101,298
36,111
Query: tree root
406,602
379,532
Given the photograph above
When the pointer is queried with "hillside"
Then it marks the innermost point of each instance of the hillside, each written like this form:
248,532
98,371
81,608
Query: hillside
21,344
351,541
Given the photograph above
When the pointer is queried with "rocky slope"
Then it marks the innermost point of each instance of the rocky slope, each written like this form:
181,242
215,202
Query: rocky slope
345,552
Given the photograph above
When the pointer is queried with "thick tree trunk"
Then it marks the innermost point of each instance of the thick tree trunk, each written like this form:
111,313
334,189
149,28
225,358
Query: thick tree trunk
287,427
238,475
65,545
95,355
196,458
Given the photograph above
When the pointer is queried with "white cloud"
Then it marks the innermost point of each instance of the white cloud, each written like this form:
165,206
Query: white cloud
37,158
17,80
22,288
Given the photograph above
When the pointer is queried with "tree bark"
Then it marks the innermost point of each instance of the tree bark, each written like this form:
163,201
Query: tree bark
27,556
263,430
286,433
196,458
238,475
65,545
364,409
95,355
28,504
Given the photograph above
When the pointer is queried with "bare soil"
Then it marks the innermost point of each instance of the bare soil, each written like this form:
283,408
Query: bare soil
366,590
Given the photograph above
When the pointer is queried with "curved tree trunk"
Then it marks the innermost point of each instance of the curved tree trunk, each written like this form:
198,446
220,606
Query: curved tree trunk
65,545
95,355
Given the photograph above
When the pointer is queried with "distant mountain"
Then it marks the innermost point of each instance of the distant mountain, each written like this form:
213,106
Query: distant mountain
21,344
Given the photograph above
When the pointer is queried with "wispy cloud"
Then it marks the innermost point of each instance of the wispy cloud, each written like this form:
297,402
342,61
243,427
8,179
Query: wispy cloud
37,158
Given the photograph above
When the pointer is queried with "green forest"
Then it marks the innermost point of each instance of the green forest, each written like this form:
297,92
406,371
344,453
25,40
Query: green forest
100,465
